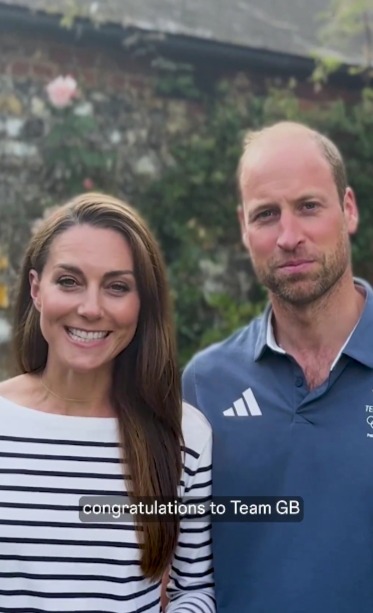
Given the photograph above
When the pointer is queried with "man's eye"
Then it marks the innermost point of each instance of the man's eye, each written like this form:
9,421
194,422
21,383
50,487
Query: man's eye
263,215
310,205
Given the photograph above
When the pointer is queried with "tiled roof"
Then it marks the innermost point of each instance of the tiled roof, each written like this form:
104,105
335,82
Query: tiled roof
282,26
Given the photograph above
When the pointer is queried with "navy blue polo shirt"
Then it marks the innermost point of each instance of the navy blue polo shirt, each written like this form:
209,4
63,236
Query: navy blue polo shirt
275,437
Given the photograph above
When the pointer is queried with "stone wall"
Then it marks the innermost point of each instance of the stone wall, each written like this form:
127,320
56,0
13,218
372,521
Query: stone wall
134,122
119,91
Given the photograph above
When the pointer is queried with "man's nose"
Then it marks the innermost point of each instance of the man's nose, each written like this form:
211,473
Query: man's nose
291,232
90,306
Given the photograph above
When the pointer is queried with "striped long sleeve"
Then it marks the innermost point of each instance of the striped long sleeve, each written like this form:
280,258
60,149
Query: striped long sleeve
191,588
50,559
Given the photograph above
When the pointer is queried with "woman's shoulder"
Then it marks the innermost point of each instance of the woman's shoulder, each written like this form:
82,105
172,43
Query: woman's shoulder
197,430
17,389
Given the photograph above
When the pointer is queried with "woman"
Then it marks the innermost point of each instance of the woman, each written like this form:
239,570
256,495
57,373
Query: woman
96,412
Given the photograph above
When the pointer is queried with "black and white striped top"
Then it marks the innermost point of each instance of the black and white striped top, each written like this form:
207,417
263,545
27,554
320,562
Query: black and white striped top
50,561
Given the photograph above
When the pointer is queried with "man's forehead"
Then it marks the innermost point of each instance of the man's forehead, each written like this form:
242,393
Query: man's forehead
290,170
281,140
271,153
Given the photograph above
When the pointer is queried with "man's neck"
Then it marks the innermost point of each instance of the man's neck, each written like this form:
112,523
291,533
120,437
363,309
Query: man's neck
322,325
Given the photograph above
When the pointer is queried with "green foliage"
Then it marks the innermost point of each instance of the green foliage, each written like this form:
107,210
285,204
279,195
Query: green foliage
345,18
73,155
70,14
193,211
175,79
228,316
346,25
193,206
180,85
325,66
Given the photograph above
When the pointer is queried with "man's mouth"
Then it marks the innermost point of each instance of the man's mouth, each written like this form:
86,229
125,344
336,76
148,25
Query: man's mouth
295,263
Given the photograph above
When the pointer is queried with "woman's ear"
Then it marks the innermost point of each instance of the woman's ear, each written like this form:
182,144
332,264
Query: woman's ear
35,288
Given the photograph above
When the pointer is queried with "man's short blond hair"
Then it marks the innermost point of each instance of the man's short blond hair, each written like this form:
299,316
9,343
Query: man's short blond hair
328,149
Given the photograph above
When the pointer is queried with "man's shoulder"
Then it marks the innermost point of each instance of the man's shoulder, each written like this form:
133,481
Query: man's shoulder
219,374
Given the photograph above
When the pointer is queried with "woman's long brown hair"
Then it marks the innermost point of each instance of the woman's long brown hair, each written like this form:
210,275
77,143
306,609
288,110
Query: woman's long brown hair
145,389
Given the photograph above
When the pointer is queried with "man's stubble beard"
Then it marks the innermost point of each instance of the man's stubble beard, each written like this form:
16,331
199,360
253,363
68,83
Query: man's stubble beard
304,288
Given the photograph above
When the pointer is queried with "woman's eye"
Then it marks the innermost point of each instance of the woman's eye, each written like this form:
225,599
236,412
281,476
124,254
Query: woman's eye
119,288
66,282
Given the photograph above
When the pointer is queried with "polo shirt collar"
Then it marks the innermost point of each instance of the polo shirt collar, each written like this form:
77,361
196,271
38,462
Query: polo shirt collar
358,346
265,330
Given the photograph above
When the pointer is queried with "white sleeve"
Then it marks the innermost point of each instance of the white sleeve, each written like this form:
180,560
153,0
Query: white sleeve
191,587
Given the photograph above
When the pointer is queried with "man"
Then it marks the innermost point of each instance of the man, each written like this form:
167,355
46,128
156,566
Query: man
290,396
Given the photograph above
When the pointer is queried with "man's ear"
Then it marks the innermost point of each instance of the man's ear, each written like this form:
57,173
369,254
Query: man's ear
35,288
351,211
241,219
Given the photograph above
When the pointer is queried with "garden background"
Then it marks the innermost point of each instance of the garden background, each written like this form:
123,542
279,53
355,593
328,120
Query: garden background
155,114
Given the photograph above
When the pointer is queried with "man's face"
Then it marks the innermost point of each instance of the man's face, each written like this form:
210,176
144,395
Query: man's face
292,222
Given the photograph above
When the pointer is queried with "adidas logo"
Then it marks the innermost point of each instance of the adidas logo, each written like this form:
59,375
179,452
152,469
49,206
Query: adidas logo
244,406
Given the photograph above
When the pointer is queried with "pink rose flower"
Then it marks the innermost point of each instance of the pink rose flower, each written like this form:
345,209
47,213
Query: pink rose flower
88,184
61,91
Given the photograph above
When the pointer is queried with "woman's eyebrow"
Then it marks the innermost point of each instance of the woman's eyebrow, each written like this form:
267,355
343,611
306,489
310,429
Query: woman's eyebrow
77,271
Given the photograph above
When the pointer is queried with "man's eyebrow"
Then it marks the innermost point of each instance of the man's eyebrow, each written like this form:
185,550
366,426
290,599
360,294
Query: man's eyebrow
76,270
309,196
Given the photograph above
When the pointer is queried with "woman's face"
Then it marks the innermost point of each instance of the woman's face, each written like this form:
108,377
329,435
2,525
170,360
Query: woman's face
87,298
